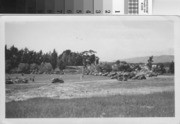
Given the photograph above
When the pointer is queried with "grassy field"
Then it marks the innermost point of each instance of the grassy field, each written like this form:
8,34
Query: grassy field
154,98
153,105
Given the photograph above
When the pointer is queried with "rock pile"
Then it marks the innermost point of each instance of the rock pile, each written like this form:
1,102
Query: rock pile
124,76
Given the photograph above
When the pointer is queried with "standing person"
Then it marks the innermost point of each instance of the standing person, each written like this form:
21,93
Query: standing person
82,72
33,79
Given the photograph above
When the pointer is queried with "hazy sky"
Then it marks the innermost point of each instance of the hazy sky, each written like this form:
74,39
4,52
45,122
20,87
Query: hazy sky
112,37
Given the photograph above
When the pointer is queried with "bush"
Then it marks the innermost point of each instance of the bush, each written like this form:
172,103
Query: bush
124,67
136,67
33,67
160,68
61,64
106,67
115,67
23,68
98,68
45,68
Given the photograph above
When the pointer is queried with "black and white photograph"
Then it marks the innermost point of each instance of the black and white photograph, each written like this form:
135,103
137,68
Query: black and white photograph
90,67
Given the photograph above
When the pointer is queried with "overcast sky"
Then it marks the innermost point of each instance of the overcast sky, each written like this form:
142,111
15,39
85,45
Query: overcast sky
112,37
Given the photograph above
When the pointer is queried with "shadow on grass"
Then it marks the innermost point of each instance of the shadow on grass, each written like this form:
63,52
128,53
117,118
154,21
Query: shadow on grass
152,105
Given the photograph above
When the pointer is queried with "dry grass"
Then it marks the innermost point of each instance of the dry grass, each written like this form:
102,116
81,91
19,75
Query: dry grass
41,99
152,105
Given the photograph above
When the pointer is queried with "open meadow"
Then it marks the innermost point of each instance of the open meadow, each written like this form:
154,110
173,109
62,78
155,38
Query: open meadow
89,66
91,96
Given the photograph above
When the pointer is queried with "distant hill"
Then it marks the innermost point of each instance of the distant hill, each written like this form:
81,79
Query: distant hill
156,59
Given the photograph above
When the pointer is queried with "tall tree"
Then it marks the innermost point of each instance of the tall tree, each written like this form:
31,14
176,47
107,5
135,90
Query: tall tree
88,57
150,61
54,59
171,67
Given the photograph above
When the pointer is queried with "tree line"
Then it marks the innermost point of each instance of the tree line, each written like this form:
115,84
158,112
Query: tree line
160,68
27,61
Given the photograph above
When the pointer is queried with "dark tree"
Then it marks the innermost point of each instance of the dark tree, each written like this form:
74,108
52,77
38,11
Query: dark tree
106,67
8,66
79,60
92,58
47,57
150,61
117,62
124,67
54,59
61,64
14,57
88,57
171,67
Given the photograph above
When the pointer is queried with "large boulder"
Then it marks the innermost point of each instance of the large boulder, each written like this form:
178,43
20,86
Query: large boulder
141,77
152,74
125,78
111,74
131,75
105,74
114,76
57,80
120,78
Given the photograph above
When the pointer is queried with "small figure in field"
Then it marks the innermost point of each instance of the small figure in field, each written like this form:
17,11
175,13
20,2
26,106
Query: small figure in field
22,74
33,79
82,75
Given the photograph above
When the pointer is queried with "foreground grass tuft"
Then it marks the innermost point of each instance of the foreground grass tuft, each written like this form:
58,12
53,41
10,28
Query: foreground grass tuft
153,105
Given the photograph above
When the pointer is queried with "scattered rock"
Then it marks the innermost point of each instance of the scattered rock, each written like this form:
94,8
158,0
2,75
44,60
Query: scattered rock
139,77
21,80
9,81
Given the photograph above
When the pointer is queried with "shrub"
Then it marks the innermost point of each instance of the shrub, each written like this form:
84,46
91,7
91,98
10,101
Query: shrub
23,68
124,67
106,67
45,68
98,68
33,67
160,68
61,64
